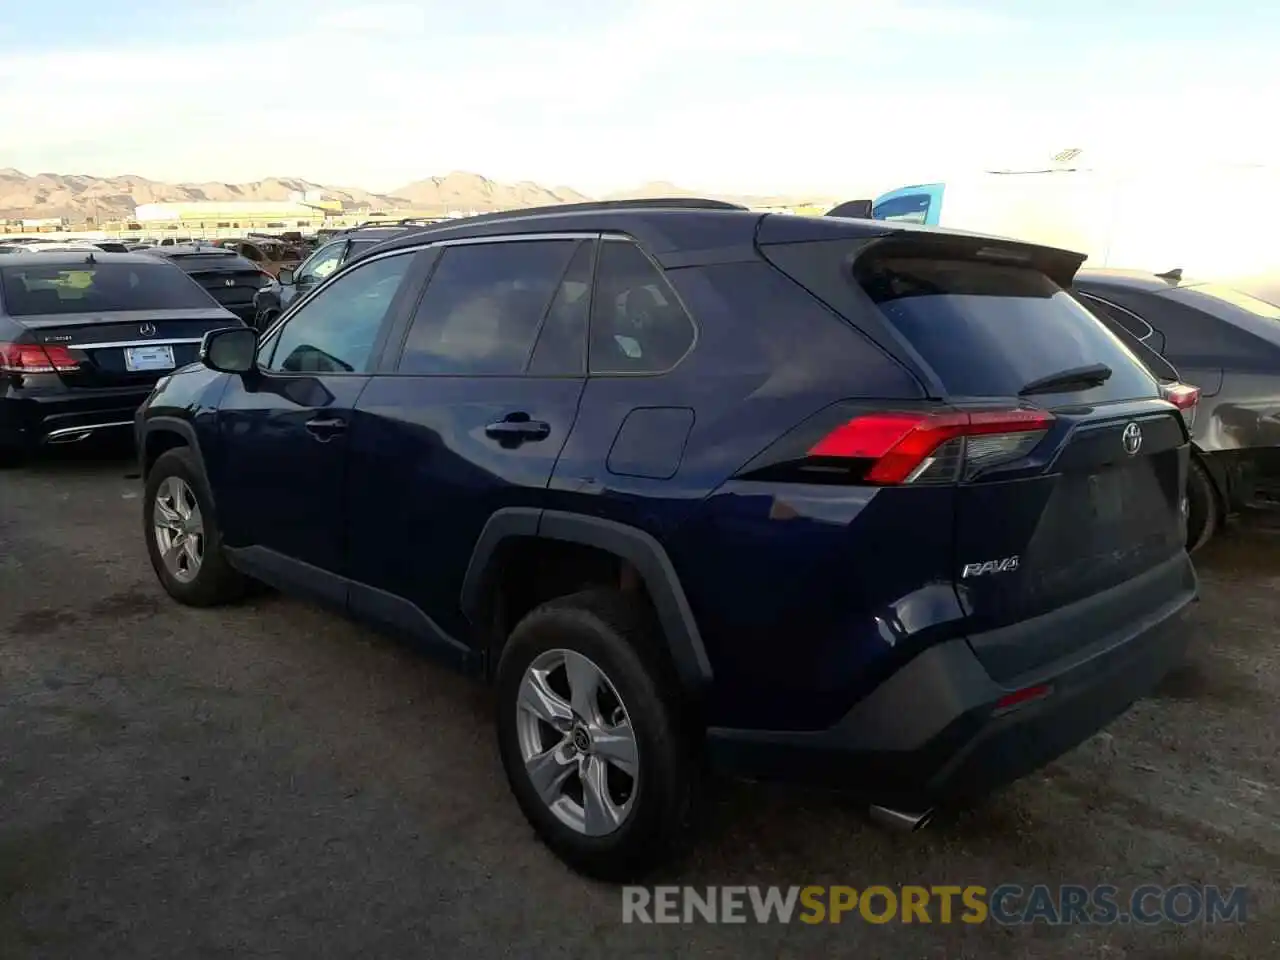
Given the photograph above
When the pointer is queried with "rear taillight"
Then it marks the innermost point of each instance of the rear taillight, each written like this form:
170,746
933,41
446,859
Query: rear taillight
34,358
932,447
1183,396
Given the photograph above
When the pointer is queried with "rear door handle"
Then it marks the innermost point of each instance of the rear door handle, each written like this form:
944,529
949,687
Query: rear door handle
325,429
517,430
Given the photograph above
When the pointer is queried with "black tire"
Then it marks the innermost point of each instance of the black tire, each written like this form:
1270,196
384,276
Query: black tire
264,319
1202,507
216,582
621,637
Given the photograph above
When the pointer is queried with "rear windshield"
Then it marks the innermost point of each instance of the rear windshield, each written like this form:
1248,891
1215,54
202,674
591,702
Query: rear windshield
990,329
1203,295
214,262
34,290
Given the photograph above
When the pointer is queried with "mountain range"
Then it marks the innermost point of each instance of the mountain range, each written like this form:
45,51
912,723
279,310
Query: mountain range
81,197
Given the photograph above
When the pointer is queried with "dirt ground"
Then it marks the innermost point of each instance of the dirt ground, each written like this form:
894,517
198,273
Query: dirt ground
270,780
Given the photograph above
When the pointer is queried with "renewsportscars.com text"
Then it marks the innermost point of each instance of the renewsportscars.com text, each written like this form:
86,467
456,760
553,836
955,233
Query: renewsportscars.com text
1007,904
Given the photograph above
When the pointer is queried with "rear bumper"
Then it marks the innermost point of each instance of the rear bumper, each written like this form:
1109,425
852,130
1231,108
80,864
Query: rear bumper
936,731
67,417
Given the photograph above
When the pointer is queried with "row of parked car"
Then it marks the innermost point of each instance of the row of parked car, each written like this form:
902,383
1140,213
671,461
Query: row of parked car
896,509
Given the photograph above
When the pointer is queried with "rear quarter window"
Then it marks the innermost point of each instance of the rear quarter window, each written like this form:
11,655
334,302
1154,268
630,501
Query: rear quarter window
988,330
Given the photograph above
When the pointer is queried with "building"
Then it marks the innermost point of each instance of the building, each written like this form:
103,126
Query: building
233,211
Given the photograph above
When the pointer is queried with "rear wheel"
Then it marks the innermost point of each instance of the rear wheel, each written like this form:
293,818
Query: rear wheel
593,739
1202,507
182,534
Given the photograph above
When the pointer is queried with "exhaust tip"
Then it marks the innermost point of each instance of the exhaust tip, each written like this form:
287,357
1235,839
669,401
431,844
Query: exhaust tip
901,821
71,437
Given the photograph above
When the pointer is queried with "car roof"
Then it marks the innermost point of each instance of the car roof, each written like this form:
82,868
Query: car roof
74,257
192,249
1133,280
672,228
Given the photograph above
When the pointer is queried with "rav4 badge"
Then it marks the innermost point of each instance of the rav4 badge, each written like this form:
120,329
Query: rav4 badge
1007,565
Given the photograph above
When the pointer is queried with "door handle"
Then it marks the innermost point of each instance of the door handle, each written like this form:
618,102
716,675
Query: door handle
325,429
517,428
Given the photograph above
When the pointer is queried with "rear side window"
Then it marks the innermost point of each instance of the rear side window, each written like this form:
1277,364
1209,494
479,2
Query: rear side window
483,307
988,330
637,324
33,290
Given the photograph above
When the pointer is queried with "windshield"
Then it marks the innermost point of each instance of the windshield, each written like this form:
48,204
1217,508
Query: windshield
34,290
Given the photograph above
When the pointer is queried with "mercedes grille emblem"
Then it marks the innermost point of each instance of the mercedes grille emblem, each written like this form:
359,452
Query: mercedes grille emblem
147,329
1132,439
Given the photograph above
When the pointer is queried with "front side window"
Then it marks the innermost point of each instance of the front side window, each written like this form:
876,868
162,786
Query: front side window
322,263
335,331
483,307
637,324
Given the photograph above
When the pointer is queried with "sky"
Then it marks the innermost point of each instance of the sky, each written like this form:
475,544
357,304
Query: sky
829,97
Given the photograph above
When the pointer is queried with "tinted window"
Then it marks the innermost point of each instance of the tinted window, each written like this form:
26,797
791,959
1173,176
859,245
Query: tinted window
1135,325
482,309
989,330
913,208
562,342
334,331
322,263
637,324
50,289
1204,295
1108,314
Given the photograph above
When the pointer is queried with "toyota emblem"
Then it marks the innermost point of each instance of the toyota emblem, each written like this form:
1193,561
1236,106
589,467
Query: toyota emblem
1132,439
147,329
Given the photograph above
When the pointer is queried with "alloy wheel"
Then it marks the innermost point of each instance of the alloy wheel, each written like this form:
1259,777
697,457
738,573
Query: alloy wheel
179,529
577,742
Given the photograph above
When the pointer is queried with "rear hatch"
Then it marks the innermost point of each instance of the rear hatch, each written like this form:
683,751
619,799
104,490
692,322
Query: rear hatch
232,280
1068,468
111,323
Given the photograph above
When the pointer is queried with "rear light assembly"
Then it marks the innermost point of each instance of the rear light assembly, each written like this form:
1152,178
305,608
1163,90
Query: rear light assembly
1183,396
933,447
26,358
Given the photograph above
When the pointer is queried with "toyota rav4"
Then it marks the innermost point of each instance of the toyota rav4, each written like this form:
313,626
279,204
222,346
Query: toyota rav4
867,504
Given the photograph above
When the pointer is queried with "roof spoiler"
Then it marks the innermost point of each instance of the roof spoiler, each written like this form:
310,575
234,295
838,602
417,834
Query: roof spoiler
852,209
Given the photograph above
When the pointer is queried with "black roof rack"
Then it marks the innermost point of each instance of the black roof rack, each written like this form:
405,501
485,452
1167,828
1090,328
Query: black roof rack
403,222
647,203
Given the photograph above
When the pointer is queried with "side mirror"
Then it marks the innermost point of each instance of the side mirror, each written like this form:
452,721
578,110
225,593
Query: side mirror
230,350
853,209
285,276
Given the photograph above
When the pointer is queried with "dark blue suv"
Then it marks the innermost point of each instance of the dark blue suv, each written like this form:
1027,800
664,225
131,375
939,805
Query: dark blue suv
860,503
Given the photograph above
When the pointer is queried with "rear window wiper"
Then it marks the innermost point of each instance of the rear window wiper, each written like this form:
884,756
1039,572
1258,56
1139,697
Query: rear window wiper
1092,375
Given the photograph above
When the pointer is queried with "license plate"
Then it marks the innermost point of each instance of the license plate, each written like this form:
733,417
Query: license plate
138,359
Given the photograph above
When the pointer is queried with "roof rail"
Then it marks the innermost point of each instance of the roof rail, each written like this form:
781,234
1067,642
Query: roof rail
647,203
403,222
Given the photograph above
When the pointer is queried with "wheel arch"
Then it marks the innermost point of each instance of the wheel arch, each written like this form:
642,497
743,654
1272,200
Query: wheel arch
629,544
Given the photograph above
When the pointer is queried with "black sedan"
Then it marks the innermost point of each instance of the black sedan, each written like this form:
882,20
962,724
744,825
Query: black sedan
85,335
1225,342
231,279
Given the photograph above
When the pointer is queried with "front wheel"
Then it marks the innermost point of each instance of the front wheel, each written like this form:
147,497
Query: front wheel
593,739
182,534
